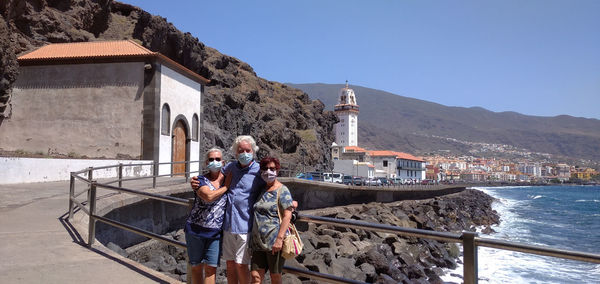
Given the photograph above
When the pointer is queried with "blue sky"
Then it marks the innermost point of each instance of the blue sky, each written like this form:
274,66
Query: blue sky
537,57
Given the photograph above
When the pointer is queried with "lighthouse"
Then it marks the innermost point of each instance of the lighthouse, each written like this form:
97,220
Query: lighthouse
346,130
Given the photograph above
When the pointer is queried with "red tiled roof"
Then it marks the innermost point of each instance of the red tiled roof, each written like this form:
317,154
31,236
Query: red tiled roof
383,153
95,51
408,157
354,149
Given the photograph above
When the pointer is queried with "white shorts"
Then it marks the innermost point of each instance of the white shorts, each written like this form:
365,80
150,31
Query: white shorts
235,247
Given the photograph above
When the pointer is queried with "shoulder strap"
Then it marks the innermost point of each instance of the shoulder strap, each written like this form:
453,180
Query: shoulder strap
278,212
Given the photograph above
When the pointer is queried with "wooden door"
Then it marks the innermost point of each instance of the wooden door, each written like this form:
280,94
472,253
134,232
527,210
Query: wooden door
179,139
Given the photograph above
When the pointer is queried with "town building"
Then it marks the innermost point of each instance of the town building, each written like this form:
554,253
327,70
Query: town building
346,130
409,167
105,99
384,163
350,159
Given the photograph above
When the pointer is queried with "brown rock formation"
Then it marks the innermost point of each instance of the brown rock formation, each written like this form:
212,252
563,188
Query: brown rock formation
283,120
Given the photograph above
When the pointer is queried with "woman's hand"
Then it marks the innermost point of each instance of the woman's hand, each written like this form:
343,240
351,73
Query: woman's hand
195,183
277,245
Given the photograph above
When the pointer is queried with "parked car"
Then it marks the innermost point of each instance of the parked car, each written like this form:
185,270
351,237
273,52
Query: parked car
384,181
332,177
347,179
373,182
317,176
307,176
358,181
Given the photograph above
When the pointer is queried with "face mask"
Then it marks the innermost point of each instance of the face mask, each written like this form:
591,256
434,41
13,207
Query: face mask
245,158
214,166
269,176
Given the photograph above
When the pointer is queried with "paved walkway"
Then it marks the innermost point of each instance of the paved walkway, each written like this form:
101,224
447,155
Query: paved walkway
39,245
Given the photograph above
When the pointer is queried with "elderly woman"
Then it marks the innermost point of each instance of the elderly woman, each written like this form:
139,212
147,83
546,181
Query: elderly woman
203,226
268,230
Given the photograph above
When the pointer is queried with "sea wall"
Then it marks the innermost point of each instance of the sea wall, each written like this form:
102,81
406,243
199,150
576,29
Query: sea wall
314,194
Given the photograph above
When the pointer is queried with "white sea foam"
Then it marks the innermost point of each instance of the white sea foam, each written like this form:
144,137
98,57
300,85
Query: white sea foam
585,200
503,266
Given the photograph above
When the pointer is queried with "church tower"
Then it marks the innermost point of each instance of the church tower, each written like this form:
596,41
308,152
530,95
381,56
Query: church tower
346,131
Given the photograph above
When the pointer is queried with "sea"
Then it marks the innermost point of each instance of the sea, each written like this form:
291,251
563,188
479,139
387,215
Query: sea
563,217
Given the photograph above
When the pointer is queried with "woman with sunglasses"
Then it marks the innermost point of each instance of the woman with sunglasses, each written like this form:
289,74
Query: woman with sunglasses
203,226
268,229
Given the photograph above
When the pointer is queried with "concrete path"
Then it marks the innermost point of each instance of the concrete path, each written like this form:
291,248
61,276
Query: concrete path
39,245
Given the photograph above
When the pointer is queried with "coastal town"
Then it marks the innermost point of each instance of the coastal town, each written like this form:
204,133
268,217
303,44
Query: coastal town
404,168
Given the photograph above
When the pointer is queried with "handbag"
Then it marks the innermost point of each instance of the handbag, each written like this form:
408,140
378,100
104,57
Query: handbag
292,243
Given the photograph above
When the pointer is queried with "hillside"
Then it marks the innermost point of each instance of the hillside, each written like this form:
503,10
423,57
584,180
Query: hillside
282,119
389,121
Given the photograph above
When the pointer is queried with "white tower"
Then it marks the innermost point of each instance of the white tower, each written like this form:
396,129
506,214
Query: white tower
346,131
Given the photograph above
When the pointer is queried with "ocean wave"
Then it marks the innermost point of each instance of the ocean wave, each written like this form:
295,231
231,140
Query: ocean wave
535,197
585,200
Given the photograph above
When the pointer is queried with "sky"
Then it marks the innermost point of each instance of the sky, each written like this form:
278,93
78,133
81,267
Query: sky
535,57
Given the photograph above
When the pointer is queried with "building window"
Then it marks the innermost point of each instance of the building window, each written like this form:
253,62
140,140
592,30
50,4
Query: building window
195,127
166,120
385,163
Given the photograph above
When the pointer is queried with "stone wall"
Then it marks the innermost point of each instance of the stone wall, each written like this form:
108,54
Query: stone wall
81,110
311,195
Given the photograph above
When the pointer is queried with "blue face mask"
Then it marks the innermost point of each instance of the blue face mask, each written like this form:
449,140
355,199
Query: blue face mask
245,158
214,166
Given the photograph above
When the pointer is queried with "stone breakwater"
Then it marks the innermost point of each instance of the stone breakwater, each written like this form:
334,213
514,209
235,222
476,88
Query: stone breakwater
359,254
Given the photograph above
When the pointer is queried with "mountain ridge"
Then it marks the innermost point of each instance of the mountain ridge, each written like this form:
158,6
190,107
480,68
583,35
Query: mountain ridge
401,123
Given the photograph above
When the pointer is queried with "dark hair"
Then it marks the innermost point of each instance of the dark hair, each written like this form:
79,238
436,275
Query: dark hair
266,160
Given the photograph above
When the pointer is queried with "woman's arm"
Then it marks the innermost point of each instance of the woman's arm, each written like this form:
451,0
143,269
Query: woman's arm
285,223
208,195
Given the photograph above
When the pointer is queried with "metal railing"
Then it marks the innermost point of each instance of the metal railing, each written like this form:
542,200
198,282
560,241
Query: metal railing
469,240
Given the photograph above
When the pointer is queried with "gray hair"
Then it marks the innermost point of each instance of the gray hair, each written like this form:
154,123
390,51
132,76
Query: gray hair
239,139
214,149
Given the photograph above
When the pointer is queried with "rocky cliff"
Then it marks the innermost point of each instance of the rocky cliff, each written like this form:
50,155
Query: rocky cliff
284,120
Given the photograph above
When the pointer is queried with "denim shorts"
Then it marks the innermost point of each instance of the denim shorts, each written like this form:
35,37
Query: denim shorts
203,250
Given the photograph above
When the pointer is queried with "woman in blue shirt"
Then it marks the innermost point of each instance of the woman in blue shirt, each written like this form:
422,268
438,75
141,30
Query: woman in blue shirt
204,224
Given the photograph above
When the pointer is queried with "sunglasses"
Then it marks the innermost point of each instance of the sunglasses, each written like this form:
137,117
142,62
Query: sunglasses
214,159
271,169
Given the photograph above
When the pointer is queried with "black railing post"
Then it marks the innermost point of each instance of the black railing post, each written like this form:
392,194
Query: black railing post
154,173
120,175
90,177
71,195
469,257
92,220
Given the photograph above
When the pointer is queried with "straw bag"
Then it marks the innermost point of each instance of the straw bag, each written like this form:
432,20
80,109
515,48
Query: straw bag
292,244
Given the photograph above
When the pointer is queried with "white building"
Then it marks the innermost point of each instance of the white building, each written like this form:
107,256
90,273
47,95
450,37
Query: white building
354,168
346,131
105,99
410,167
384,162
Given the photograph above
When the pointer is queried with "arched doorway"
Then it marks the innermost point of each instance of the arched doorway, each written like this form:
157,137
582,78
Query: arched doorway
179,145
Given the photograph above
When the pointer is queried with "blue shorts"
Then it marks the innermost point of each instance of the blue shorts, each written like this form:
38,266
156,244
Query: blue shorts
203,250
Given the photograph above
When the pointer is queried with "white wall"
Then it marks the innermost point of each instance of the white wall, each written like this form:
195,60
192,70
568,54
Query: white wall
353,167
25,170
183,96
380,170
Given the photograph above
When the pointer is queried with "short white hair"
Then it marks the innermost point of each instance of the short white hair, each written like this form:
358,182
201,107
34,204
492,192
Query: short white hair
214,149
239,139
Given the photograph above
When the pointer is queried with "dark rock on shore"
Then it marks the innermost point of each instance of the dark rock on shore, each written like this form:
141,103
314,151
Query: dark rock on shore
359,254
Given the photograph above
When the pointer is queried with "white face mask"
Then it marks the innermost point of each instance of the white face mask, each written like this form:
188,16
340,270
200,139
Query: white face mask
214,166
269,176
